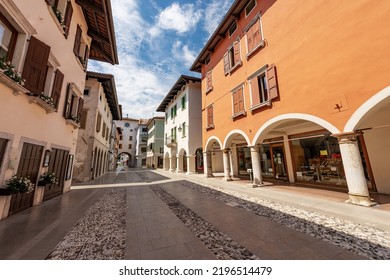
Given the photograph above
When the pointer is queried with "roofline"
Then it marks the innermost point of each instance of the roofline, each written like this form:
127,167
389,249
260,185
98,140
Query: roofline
183,79
112,32
115,108
217,36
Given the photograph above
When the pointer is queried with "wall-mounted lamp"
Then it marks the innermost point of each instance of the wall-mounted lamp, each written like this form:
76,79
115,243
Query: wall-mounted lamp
179,128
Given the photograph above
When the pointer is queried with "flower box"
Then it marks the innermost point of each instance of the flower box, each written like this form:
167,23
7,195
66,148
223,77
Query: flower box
17,88
38,100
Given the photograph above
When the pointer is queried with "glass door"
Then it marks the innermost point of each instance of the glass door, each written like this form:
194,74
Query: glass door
278,162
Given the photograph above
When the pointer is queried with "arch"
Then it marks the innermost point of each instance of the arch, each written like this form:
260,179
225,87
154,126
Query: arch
210,141
231,135
272,123
182,152
367,106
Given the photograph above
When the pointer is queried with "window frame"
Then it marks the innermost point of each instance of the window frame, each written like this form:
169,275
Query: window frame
230,59
209,81
247,30
13,39
247,5
230,33
210,125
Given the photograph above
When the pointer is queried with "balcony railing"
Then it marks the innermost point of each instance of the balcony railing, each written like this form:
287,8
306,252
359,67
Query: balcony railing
170,142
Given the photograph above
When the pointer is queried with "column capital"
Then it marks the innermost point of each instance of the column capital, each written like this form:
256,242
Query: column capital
346,137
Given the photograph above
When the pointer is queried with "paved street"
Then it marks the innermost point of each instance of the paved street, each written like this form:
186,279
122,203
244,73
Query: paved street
145,214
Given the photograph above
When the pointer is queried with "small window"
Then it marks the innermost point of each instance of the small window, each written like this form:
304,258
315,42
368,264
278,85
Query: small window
232,28
210,117
263,87
8,35
209,81
83,122
120,137
207,60
130,146
232,58
120,146
183,102
87,91
184,132
131,138
173,111
99,123
250,7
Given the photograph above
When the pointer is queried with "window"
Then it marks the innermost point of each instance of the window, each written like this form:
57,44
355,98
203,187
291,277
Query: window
173,111
120,146
130,146
99,123
63,11
209,82
3,145
173,134
104,130
144,129
238,101
107,133
263,85
80,48
131,138
184,133
73,105
183,102
232,58
120,137
87,91
83,121
232,28
251,5
57,87
207,59
210,117
254,38
8,35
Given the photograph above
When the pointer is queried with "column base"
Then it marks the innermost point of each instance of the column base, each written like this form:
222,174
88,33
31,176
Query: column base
227,179
254,185
361,200
208,175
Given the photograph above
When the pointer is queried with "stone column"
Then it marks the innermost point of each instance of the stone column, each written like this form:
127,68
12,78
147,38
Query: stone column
353,168
226,165
179,164
172,163
257,180
191,164
207,164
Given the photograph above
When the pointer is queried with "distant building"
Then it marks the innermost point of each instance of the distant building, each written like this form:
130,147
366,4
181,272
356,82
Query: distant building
141,144
94,152
127,141
48,43
183,126
155,144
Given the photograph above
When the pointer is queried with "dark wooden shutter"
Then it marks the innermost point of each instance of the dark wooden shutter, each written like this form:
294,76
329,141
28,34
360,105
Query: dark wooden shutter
86,56
240,97
272,82
80,108
77,41
68,102
50,2
57,87
226,66
3,145
235,103
256,33
68,18
255,90
236,48
35,66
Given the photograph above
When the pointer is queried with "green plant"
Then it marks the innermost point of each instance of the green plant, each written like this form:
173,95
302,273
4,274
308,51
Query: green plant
19,184
9,70
47,99
48,178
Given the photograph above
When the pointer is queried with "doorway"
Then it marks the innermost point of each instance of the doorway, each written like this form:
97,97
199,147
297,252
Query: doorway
278,162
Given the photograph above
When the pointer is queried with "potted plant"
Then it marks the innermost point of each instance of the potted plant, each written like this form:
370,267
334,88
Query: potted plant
19,185
47,178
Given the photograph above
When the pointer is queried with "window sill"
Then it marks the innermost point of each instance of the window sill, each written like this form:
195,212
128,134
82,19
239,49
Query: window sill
35,99
209,90
259,46
210,127
239,114
82,66
17,88
235,67
60,27
72,123
257,106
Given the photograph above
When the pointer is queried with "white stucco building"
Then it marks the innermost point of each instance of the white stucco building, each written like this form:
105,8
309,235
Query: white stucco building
183,126
141,142
127,141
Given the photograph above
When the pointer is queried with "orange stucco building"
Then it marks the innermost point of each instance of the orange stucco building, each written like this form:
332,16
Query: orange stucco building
299,91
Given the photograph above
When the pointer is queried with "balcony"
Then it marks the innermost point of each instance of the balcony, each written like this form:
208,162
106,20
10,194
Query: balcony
170,142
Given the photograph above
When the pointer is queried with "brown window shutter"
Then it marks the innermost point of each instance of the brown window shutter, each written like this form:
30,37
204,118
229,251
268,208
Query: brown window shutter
50,2
272,82
256,33
237,57
68,18
80,108
210,116
68,102
249,39
83,121
235,103
255,90
226,63
86,56
240,97
209,83
35,65
57,87
77,41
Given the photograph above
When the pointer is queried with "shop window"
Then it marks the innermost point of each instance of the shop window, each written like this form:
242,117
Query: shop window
232,58
263,87
238,102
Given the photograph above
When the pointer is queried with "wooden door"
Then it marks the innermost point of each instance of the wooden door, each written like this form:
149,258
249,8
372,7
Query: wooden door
57,165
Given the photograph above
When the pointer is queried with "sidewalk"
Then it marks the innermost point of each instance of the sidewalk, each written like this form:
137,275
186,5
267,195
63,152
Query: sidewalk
329,203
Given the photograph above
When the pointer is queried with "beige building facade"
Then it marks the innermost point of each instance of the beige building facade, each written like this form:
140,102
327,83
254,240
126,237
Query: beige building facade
45,46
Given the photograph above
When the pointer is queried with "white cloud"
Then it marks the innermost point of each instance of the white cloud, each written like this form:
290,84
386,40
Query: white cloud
183,53
214,13
179,18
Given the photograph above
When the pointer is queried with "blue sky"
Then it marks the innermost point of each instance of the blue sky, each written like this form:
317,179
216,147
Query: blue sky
157,41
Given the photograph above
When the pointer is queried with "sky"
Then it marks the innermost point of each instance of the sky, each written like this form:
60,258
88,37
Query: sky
157,41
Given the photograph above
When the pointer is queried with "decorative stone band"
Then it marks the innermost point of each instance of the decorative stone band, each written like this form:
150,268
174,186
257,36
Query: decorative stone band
346,137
